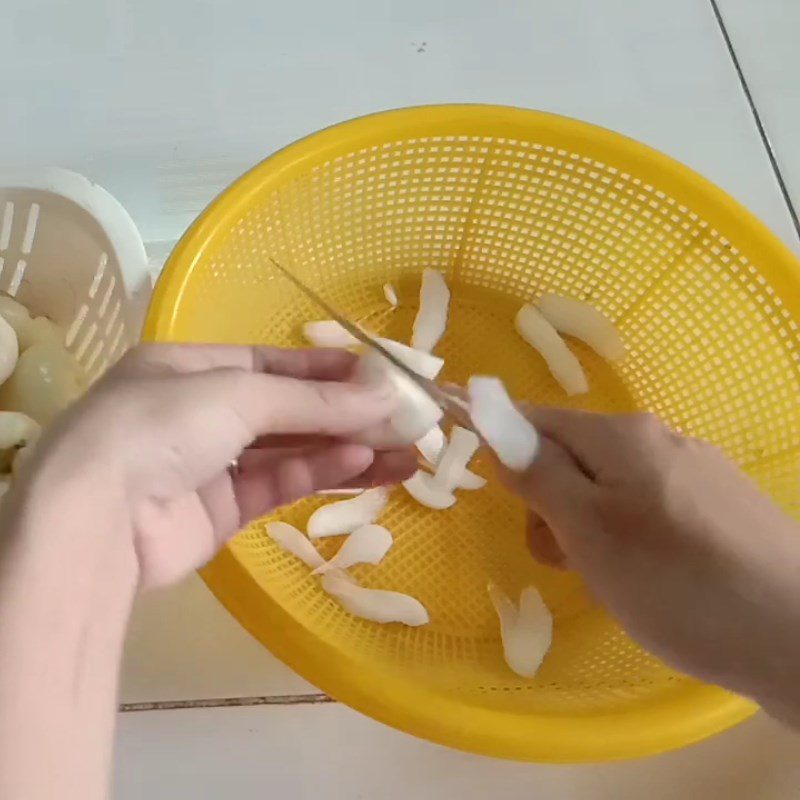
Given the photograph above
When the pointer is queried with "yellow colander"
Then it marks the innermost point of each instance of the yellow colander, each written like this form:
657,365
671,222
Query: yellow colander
508,204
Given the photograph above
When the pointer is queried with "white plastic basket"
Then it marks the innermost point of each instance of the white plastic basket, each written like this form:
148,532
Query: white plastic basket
70,251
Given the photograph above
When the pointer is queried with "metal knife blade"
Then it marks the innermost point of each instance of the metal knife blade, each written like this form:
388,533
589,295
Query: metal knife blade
451,405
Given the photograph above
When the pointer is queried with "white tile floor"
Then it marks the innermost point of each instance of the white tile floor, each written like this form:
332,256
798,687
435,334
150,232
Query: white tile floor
183,645
165,103
330,752
764,38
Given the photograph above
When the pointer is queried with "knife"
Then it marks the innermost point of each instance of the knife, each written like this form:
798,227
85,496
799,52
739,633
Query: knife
450,404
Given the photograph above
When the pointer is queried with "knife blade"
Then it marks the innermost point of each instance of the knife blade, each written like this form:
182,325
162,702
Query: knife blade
451,405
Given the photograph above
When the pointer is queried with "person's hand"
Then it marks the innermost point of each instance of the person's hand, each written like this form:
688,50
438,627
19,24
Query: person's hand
149,449
134,486
697,563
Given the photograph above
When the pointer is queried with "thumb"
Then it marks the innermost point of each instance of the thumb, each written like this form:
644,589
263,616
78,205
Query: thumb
554,487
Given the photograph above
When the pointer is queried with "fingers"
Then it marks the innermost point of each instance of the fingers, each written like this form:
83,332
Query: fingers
194,416
542,544
325,364
313,364
554,487
269,404
388,466
260,458
604,445
210,417
583,434
284,440
561,499
189,426
260,489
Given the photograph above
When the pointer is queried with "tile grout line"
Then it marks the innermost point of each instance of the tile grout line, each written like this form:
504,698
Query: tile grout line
757,118
229,702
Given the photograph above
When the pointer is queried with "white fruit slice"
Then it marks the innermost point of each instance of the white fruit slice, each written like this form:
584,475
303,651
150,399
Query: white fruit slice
415,413
424,489
377,605
15,314
288,538
584,322
17,430
365,545
470,481
46,380
543,337
328,333
500,423
29,330
347,515
9,349
527,631
431,320
18,433
453,464
425,364
390,294
41,330
432,445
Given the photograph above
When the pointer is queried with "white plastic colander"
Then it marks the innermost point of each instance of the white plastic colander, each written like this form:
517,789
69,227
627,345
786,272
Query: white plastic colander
70,251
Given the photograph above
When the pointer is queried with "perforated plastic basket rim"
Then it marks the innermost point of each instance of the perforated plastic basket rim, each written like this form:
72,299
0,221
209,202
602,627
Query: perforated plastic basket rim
694,711
101,205
684,184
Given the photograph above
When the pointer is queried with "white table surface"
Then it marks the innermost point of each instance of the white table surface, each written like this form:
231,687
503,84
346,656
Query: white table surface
256,753
764,37
164,103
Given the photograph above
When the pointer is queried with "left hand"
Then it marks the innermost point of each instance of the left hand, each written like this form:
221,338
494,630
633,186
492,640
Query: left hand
146,454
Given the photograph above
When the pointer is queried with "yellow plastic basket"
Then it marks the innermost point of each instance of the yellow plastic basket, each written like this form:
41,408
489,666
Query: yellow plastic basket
508,203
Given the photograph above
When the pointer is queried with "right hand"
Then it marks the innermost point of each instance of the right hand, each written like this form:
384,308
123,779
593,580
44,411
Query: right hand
697,564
